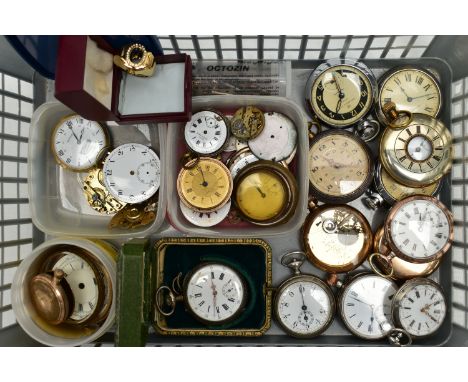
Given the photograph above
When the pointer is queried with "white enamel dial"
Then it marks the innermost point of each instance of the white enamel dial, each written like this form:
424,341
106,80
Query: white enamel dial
83,284
78,143
132,173
241,161
277,140
215,293
366,305
421,307
205,219
304,307
420,229
206,133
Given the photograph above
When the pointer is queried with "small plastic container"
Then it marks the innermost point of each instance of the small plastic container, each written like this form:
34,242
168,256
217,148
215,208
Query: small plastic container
58,203
228,104
24,310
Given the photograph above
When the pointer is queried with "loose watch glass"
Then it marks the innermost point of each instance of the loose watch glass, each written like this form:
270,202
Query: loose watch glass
207,132
205,184
419,307
340,166
304,306
419,154
132,173
277,140
365,306
265,193
342,94
419,229
77,143
337,238
411,89
215,293
82,280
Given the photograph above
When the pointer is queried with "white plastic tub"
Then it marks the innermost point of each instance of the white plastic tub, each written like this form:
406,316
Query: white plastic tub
58,204
24,310
228,104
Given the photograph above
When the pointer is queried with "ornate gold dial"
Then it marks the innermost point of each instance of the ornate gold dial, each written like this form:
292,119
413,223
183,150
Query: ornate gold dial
340,166
204,185
411,89
341,94
337,238
419,154
265,193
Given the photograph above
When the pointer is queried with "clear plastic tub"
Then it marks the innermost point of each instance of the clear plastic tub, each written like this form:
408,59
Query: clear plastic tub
25,312
228,104
58,204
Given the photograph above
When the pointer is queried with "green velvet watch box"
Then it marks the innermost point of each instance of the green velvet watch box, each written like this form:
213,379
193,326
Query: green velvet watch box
250,257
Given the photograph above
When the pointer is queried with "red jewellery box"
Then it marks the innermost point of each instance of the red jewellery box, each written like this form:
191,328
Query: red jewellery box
89,83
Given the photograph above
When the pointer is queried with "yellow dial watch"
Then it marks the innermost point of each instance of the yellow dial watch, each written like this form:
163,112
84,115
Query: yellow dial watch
204,184
136,60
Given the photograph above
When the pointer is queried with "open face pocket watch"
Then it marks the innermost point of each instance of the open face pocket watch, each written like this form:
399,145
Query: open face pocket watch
213,293
337,238
388,191
410,88
72,288
341,92
207,133
304,304
418,229
265,193
78,144
418,154
340,166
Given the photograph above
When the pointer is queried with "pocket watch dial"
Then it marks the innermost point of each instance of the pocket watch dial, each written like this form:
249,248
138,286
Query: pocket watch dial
341,95
277,140
420,307
215,293
304,307
206,133
78,143
261,195
242,159
340,167
419,229
412,90
419,154
399,191
205,219
83,284
132,173
337,238
206,186
366,304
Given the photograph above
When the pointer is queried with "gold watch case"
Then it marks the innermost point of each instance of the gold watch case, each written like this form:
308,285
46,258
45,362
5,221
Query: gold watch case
337,238
419,154
265,193
204,184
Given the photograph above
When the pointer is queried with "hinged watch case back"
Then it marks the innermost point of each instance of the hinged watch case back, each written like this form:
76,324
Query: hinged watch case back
89,83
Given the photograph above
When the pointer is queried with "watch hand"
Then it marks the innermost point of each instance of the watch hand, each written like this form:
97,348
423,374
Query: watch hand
81,135
261,192
213,289
205,183
71,128
338,105
301,289
408,98
341,94
365,303
424,95
430,316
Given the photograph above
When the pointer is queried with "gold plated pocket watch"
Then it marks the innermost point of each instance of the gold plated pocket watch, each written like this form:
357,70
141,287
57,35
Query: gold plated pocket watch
340,166
204,184
78,144
337,238
410,88
213,293
304,304
419,154
341,92
265,193
388,191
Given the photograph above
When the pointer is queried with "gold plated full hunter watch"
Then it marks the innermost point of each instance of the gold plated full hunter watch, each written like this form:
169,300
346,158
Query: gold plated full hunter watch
136,60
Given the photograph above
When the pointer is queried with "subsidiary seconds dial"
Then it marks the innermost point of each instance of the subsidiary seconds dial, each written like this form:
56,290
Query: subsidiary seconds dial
132,173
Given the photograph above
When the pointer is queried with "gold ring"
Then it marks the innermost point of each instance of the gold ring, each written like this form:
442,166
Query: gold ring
375,268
